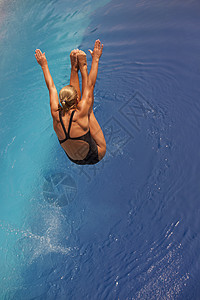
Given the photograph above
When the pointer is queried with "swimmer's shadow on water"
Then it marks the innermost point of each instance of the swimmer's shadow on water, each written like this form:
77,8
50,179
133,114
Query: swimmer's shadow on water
59,189
135,109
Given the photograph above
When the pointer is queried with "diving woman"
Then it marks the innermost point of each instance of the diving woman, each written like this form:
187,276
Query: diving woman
74,122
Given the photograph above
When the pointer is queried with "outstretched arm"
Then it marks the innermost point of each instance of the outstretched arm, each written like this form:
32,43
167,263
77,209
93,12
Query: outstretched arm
96,54
85,105
42,61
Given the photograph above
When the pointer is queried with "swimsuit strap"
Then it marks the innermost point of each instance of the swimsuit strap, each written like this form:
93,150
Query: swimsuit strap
61,121
70,121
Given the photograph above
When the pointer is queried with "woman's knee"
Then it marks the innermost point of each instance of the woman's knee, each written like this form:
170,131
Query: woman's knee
101,152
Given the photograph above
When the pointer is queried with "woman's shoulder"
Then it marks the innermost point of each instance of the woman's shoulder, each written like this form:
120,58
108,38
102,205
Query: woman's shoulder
82,121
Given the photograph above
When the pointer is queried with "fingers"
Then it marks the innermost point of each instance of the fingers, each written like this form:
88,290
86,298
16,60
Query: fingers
98,45
40,57
37,55
38,52
91,52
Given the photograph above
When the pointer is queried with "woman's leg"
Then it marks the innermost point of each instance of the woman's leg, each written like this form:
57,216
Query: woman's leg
82,63
74,80
95,128
97,135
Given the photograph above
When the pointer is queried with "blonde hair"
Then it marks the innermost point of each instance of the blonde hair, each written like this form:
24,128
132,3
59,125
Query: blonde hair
68,98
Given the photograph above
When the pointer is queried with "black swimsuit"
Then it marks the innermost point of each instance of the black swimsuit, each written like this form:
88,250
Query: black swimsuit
92,156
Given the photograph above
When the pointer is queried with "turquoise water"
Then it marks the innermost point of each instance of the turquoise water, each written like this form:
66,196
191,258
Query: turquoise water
127,228
28,144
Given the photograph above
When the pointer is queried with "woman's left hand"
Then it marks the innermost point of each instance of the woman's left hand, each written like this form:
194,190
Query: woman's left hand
41,58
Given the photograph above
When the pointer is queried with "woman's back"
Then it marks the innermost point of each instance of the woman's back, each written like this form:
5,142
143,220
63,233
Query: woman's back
72,132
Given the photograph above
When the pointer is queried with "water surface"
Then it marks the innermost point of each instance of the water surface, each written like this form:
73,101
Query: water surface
127,228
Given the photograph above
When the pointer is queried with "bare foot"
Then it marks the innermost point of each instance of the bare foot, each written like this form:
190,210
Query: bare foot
74,59
82,59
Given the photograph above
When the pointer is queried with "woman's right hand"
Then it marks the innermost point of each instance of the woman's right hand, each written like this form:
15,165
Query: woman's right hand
98,48
41,58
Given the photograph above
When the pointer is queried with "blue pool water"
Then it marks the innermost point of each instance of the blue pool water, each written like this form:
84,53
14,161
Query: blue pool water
127,228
